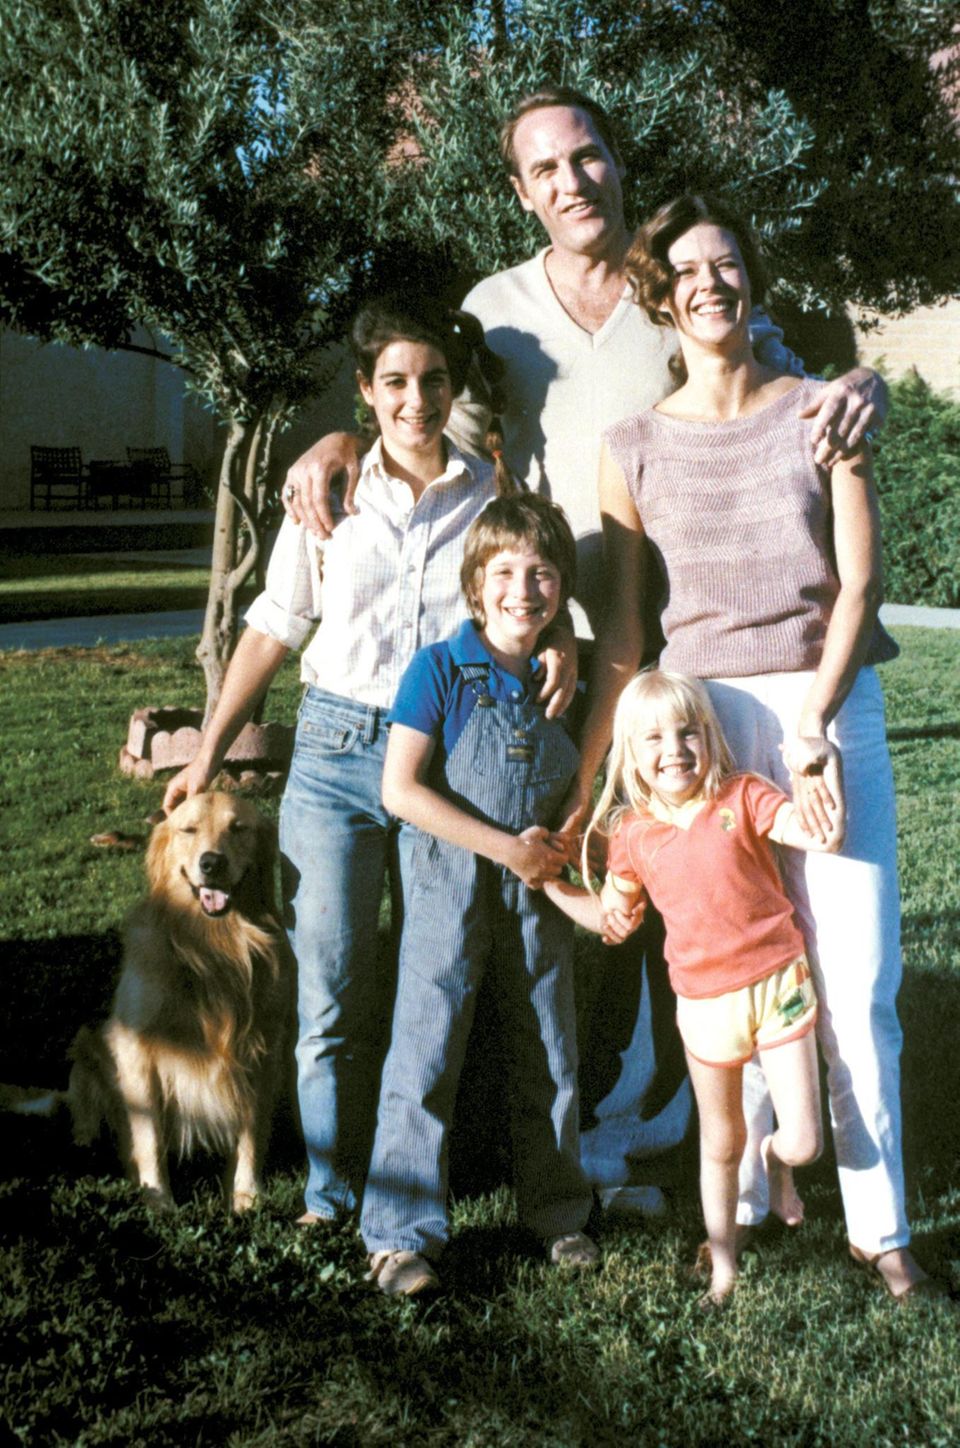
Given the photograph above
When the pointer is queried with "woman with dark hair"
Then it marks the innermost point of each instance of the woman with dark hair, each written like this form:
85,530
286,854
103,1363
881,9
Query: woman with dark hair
768,570
383,585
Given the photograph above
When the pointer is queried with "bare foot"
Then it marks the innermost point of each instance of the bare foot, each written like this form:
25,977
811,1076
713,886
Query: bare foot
898,1269
744,1237
785,1201
718,1294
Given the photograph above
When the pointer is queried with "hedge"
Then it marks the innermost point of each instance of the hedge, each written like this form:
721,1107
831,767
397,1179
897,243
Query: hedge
918,479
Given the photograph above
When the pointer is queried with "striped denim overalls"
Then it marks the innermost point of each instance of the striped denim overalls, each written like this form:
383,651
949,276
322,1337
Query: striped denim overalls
466,916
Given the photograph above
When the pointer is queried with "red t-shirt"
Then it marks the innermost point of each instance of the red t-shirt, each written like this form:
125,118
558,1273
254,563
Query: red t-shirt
717,886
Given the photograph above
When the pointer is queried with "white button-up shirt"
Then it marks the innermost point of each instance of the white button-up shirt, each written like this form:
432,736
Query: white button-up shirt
385,584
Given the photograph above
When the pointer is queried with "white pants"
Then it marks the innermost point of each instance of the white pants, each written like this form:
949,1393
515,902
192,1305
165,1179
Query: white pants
848,908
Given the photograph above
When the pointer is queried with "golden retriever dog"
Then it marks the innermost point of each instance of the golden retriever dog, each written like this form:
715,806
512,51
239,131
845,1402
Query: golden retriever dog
192,1050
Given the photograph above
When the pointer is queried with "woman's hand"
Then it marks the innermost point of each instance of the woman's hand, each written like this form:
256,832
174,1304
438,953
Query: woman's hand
195,778
558,660
815,766
574,812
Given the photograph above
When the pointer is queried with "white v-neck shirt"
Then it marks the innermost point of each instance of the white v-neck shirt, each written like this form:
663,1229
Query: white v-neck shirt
563,387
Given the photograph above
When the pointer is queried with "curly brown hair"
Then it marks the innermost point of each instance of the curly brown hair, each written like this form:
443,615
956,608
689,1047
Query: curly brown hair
648,270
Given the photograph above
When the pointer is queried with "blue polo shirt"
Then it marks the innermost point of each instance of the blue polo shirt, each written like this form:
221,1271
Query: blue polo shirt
435,698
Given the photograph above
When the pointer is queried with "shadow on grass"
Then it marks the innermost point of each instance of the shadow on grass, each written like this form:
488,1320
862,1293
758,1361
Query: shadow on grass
244,1332
923,731
929,1006
50,989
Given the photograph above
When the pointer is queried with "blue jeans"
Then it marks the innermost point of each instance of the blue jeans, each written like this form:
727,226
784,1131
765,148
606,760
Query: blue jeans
338,845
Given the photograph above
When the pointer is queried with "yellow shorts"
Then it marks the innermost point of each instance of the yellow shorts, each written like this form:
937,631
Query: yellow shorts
725,1030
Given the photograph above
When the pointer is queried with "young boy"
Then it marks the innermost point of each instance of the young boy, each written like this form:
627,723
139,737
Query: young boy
475,764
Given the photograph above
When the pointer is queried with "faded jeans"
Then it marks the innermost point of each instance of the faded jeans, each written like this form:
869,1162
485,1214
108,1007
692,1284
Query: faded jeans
337,846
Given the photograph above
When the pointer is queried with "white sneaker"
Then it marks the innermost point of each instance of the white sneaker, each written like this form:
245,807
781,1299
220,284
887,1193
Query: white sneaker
633,1202
402,1274
574,1249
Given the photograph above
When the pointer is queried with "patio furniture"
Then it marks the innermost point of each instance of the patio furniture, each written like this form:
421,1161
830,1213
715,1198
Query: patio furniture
112,480
56,477
164,474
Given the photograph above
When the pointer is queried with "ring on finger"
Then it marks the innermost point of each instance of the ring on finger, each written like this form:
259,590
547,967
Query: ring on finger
290,492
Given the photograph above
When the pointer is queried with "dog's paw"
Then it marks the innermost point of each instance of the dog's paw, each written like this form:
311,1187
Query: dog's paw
156,1199
244,1201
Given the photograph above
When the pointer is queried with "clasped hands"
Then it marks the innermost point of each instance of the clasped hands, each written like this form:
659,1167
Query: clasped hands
817,778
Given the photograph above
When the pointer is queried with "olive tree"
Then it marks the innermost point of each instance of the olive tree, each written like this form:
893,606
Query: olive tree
229,173
831,122
212,170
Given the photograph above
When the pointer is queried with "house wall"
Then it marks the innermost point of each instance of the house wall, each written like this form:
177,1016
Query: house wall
104,402
101,402
927,339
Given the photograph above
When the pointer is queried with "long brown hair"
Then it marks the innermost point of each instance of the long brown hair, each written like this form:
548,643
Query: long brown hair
457,336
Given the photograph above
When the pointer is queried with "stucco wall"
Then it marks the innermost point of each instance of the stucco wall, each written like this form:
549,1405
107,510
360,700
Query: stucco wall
105,402
928,339
101,402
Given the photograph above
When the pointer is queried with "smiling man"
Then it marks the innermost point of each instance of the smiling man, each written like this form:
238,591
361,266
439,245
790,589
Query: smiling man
581,355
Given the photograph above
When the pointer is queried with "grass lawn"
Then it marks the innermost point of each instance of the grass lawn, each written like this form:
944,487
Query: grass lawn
72,585
121,1328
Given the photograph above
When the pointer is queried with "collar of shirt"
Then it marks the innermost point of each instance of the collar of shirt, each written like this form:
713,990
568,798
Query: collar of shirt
467,647
374,473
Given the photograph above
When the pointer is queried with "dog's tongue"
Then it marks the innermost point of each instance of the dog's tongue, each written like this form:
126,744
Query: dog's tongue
214,902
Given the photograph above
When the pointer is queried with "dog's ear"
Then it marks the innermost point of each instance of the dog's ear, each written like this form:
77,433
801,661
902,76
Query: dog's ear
157,847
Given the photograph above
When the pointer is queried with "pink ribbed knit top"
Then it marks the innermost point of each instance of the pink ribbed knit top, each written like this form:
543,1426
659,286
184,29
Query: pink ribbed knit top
738,517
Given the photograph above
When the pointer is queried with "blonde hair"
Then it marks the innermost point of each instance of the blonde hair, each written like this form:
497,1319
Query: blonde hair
654,693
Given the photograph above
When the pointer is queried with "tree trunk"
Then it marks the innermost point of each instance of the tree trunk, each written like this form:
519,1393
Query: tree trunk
228,571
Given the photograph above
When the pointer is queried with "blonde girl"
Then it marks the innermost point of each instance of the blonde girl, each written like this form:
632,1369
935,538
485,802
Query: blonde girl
693,834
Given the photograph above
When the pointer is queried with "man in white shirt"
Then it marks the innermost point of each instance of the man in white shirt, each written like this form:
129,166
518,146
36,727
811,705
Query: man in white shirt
579,356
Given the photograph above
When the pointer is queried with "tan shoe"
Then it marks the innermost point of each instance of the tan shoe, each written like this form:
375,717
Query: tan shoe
573,1249
402,1274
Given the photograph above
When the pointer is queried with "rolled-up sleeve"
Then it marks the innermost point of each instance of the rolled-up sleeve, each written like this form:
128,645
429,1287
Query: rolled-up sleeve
766,339
290,605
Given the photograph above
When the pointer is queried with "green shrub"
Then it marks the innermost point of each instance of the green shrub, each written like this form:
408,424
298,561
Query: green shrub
918,477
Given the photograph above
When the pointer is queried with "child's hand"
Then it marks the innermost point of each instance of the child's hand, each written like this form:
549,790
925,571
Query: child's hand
618,925
620,913
536,855
814,763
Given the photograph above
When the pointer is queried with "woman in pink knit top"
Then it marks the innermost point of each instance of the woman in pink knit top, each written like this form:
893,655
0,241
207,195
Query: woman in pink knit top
768,568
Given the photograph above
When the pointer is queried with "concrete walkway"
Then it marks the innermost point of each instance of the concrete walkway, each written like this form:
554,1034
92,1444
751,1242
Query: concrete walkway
906,615
106,628
129,627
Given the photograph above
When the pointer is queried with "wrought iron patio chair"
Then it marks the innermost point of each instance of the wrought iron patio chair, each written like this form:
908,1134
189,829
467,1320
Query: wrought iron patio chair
56,477
165,476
